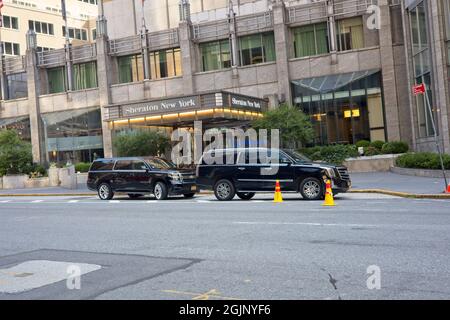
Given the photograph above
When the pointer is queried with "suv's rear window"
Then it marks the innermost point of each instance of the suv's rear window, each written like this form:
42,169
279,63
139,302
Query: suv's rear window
102,165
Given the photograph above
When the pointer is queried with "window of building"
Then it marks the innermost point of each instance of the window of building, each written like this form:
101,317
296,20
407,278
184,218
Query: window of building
422,69
10,22
311,40
89,1
21,125
75,33
41,27
17,85
42,49
258,48
131,68
10,48
94,34
215,55
74,136
350,34
56,80
343,108
85,75
165,63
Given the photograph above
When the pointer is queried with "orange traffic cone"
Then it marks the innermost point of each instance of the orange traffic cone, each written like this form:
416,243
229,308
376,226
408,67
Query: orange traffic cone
329,200
278,197
448,189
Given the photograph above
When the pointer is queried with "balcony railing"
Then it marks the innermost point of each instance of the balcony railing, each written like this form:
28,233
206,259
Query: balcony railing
307,14
128,45
15,65
211,31
163,39
52,58
84,53
254,23
352,7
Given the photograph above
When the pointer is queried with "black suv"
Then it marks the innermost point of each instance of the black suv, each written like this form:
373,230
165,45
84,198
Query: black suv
139,176
248,171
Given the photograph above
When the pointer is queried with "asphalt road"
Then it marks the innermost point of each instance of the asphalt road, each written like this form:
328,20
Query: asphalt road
201,248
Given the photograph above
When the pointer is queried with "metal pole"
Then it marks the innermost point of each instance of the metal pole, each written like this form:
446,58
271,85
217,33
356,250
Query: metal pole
436,137
4,90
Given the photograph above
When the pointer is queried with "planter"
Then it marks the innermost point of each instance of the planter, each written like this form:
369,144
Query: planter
82,178
37,183
53,176
68,177
420,172
381,163
1,183
14,182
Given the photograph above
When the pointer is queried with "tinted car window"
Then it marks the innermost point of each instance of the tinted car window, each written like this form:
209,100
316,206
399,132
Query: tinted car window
103,165
130,165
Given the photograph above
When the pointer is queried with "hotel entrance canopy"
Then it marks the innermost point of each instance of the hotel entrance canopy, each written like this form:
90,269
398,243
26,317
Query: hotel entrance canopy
215,107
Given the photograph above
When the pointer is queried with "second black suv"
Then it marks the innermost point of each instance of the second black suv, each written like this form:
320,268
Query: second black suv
139,176
245,171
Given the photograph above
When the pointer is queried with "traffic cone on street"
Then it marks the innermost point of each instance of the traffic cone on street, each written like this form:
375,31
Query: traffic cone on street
448,189
278,197
329,200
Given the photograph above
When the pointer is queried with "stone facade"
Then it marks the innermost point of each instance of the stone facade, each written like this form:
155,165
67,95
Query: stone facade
387,49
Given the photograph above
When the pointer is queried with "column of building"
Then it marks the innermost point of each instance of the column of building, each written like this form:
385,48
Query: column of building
188,56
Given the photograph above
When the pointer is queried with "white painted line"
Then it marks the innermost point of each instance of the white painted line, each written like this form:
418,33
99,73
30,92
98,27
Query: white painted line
5,201
37,201
74,201
305,224
114,201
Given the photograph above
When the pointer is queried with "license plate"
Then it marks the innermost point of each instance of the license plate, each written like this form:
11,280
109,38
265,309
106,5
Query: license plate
193,188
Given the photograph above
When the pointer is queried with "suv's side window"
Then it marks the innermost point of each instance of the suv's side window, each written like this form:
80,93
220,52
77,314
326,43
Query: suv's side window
103,165
130,165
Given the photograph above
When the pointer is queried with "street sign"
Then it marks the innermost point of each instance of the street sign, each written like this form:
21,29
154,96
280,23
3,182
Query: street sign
419,89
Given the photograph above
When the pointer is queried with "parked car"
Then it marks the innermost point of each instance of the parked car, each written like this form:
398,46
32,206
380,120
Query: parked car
248,173
140,176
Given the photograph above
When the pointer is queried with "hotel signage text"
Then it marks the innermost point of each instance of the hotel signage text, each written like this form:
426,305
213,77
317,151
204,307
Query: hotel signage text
161,107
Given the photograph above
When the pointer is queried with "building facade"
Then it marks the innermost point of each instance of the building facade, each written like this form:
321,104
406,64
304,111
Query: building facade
349,64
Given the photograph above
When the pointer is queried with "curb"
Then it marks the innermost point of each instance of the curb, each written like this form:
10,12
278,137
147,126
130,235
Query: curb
402,194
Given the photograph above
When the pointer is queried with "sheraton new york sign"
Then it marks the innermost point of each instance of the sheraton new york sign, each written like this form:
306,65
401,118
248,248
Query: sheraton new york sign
161,107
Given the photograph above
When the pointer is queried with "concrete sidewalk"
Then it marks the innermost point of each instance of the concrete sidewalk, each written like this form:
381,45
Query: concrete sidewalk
379,182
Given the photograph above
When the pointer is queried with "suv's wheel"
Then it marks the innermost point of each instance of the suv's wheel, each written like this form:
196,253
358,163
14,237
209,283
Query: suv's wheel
224,190
312,189
189,195
105,192
246,196
160,191
134,196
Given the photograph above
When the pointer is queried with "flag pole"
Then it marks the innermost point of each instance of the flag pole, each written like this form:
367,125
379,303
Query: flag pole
436,139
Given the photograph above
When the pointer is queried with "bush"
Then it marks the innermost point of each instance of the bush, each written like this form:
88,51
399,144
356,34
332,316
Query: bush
423,160
15,154
335,154
377,144
395,147
363,144
141,144
372,151
82,167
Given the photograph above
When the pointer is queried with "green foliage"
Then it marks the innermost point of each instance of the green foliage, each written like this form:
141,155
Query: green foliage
82,167
37,171
363,144
395,147
423,160
295,127
15,154
141,144
372,151
377,144
335,154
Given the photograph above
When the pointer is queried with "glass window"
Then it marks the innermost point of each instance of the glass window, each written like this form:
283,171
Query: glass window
123,165
56,80
104,165
17,85
85,75
350,34
257,48
215,55
131,68
165,63
311,40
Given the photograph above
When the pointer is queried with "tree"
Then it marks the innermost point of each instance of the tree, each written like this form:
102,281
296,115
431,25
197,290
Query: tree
15,155
141,144
295,127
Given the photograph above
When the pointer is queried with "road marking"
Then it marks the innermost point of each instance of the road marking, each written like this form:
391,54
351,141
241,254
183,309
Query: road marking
37,201
202,296
114,201
74,201
5,201
305,224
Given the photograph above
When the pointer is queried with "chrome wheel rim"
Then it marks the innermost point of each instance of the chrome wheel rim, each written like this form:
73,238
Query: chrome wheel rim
311,189
104,192
223,190
158,191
